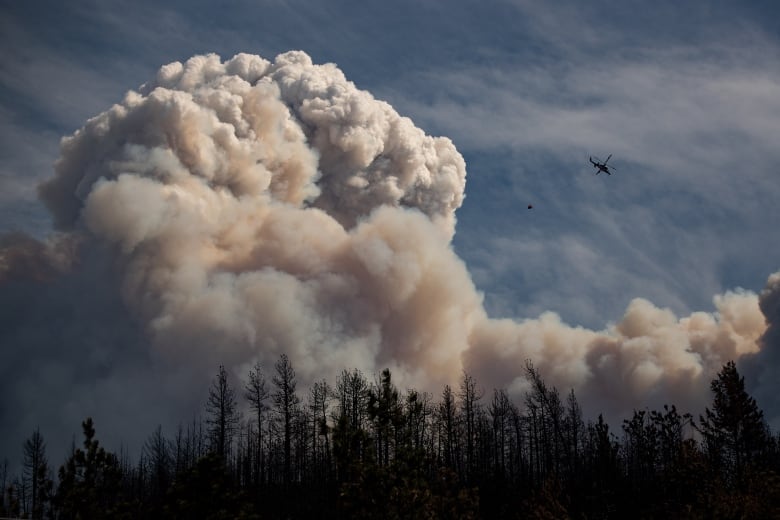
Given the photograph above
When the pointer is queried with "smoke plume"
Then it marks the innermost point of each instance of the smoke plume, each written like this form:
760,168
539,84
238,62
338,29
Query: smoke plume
232,211
762,369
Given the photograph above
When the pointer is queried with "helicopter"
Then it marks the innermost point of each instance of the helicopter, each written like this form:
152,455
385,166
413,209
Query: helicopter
602,166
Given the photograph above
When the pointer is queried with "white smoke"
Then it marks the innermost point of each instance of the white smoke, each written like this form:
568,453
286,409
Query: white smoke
256,208
260,208
649,358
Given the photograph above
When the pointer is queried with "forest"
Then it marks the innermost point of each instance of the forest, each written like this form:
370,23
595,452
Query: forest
365,449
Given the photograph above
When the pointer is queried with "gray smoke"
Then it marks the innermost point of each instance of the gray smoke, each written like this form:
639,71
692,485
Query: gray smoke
233,211
762,369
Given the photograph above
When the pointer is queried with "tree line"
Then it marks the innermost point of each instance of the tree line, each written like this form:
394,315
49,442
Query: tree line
364,448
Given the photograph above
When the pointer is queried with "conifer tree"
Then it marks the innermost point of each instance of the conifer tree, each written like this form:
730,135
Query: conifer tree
500,409
448,422
469,405
222,413
734,430
157,451
318,403
89,480
285,403
350,439
256,392
36,474
384,410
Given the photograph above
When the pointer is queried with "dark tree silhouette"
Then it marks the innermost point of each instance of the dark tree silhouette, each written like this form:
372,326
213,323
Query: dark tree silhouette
500,410
670,428
285,403
36,474
384,410
319,403
222,411
641,452
368,450
3,487
547,417
678,473
206,491
417,410
734,430
90,481
603,468
351,442
574,428
256,393
740,480
469,398
157,452
448,426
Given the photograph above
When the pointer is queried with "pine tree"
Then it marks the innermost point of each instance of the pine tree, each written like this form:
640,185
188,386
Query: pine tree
285,405
574,427
256,392
223,413
734,430
89,480
36,474
350,440
157,451
641,452
500,409
547,422
670,428
384,410
469,407
447,418
319,397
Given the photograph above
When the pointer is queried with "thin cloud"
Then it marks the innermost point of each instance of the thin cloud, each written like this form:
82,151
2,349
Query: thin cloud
690,130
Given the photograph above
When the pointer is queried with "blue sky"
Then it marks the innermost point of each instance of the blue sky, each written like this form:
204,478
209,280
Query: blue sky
685,96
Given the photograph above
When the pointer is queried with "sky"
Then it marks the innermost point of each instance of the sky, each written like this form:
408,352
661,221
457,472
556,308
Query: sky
643,281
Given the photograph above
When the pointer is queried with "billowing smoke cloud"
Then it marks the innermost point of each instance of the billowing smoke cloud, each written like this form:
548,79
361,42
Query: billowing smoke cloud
649,358
242,209
762,369
261,208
